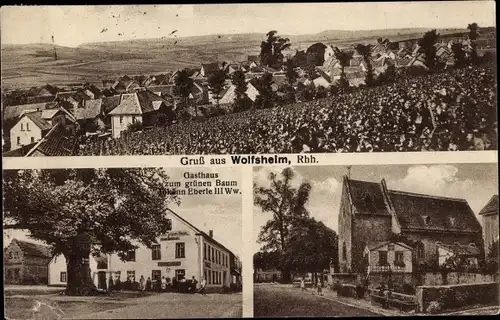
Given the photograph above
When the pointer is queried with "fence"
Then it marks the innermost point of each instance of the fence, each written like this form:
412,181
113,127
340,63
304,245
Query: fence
437,279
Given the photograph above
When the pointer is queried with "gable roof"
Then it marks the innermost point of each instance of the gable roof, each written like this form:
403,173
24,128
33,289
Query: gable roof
11,112
377,245
129,105
49,113
360,191
109,103
444,214
460,249
36,117
19,152
491,207
57,142
210,67
33,249
91,110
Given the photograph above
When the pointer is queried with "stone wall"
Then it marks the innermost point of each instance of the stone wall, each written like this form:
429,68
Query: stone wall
457,296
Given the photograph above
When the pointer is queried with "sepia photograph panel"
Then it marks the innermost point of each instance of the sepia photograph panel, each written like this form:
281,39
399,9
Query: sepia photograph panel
122,243
368,240
234,79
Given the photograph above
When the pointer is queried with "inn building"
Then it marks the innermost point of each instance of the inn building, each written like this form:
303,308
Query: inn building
182,253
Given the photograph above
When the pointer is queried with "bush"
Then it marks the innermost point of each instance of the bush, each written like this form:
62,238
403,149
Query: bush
135,126
434,307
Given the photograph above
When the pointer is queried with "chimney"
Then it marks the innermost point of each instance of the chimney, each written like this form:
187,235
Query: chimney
211,233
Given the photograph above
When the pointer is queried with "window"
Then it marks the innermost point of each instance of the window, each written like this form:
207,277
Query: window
398,258
63,277
180,274
156,252
32,139
205,251
169,224
382,258
220,260
344,251
22,126
155,275
131,255
131,275
209,256
180,250
213,255
121,119
209,279
18,140
27,127
214,277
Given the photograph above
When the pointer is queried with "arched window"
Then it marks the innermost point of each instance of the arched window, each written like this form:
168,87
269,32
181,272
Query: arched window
344,251
420,250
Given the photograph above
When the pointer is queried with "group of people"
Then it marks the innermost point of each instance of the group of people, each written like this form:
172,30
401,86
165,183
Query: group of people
448,111
160,285
318,284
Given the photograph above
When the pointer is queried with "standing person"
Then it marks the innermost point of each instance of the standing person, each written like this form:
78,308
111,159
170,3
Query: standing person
110,283
163,284
320,288
302,285
203,284
142,286
194,284
148,284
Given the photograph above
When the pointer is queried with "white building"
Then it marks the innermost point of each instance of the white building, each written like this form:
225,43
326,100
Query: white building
183,253
385,256
29,129
229,95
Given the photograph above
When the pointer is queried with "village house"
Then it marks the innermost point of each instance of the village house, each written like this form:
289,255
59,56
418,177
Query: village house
489,215
321,80
271,275
388,256
183,252
91,117
29,129
142,106
228,95
26,263
209,68
370,213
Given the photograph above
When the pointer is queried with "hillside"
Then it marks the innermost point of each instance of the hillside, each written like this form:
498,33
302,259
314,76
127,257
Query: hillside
33,64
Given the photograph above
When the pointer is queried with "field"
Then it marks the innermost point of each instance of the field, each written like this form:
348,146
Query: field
30,65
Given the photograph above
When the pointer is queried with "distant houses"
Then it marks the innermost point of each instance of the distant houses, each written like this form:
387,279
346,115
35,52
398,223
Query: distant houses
26,263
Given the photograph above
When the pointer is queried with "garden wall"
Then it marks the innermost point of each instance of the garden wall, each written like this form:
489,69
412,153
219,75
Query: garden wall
458,295
436,278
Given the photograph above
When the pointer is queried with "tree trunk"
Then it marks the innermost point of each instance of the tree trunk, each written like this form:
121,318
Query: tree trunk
79,279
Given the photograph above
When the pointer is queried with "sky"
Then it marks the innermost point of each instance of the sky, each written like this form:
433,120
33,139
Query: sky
74,25
476,183
222,214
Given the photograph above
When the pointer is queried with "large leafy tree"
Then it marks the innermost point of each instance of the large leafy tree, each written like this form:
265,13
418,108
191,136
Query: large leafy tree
366,52
344,58
183,86
240,90
473,35
291,76
266,97
287,204
458,54
271,50
88,211
428,48
216,82
316,53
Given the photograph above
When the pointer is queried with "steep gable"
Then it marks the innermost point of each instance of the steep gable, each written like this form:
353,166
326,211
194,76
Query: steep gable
491,207
367,197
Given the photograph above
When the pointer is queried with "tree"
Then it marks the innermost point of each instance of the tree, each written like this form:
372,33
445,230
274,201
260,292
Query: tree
183,86
344,58
316,53
473,35
271,50
216,81
287,204
366,52
88,211
458,54
241,99
428,48
300,58
266,97
492,258
291,74
313,247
